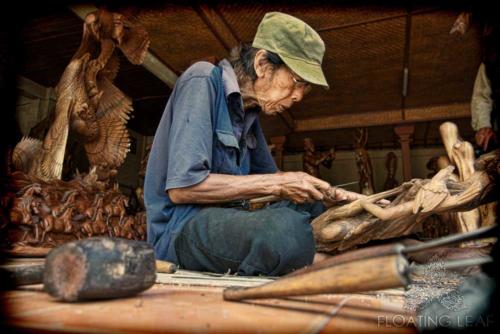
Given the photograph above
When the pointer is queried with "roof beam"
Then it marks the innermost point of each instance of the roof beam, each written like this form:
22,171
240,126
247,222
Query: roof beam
152,63
419,114
218,25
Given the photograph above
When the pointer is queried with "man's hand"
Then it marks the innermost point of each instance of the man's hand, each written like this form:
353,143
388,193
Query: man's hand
483,137
338,194
300,187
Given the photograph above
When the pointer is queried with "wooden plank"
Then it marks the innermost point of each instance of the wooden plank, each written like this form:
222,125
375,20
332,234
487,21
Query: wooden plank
349,120
192,278
174,309
26,251
439,112
217,25
387,117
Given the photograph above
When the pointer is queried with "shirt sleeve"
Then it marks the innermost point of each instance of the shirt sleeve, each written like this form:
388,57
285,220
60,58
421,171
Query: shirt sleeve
481,103
261,160
190,139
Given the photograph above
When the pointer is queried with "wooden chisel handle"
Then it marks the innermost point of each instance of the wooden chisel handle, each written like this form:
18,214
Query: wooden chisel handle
363,275
165,267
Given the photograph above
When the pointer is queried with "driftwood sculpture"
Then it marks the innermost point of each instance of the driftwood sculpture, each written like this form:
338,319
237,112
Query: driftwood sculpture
88,103
363,161
363,220
312,159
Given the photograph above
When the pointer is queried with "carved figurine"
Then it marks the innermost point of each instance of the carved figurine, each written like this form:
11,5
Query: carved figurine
312,159
391,164
363,161
365,219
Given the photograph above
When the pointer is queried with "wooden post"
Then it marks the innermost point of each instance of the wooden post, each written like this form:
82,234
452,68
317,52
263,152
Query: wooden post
404,133
278,142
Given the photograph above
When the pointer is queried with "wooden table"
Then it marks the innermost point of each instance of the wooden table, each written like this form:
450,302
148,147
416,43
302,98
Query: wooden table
168,308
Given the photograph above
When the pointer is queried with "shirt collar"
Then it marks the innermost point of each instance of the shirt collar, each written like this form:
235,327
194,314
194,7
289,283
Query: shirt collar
229,78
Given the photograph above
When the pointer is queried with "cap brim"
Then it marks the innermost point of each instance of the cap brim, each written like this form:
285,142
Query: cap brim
309,72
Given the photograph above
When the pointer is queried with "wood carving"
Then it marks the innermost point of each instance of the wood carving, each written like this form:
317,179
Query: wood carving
312,159
363,220
461,24
363,161
46,214
41,209
88,104
391,165
461,155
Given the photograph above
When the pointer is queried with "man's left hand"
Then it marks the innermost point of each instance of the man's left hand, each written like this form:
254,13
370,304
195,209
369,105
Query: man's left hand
335,194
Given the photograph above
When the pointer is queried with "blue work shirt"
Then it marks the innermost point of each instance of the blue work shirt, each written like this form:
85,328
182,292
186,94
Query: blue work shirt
203,130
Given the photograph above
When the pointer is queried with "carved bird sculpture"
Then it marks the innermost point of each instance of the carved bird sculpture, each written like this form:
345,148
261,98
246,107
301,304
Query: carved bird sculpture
88,104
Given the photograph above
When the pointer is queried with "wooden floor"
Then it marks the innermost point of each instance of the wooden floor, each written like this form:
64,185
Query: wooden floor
197,307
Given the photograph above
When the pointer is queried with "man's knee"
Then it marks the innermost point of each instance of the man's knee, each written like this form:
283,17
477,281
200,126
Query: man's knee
293,245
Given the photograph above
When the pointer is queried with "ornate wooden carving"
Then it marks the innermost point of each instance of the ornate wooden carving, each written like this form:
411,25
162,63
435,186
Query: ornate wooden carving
48,213
391,165
311,159
87,101
41,210
363,161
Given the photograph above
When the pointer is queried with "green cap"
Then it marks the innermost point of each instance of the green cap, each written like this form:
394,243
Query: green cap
298,45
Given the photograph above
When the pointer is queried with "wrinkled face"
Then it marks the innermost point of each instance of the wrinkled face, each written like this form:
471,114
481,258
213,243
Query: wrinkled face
278,89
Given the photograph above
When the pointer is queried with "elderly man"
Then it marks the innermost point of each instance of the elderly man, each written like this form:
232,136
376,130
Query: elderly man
209,156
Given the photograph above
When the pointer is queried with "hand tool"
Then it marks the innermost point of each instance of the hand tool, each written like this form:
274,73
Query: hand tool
387,269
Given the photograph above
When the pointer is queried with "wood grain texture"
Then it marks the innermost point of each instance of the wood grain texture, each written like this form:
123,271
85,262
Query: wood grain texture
181,309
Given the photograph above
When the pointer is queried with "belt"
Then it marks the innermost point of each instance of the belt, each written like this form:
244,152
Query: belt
243,204
249,204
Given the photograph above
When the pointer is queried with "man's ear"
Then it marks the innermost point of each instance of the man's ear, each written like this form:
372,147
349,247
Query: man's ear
260,63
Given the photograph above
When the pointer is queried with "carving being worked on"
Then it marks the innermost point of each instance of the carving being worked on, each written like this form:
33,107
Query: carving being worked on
391,165
347,226
42,209
88,103
363,161
461,155
312,159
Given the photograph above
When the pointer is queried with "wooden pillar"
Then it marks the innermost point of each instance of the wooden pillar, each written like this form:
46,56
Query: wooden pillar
278,142
404,133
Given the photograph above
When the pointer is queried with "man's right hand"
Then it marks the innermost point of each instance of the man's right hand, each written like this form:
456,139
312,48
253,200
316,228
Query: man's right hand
483,137
300,187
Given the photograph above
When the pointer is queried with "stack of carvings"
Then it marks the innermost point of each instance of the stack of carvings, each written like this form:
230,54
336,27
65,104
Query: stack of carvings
344,227
50,213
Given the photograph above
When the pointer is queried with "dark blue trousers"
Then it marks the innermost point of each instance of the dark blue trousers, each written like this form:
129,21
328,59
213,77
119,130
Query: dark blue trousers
271,241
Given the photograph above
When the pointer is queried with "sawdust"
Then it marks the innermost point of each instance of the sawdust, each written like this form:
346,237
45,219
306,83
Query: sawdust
434,282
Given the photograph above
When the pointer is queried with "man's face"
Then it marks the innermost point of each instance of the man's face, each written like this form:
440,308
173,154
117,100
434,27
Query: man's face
279,89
